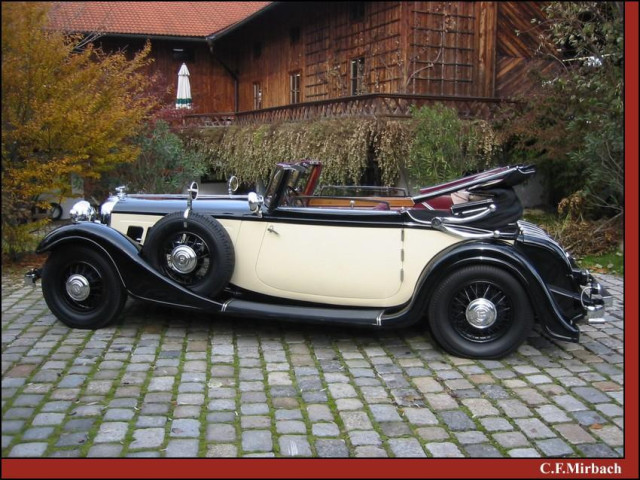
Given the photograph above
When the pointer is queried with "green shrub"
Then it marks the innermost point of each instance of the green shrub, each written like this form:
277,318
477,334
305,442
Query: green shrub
445,146
165,164
19,239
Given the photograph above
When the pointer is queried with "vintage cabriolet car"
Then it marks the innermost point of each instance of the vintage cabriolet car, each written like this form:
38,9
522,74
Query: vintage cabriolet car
479,275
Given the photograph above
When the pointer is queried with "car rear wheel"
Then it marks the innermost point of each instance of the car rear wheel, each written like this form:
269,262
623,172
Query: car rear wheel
196,252
480,312
82,288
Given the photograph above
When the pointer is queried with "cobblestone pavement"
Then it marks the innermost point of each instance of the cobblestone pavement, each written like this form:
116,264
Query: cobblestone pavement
162,383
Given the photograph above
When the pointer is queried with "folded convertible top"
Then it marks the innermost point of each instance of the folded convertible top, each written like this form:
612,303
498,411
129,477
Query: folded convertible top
495,178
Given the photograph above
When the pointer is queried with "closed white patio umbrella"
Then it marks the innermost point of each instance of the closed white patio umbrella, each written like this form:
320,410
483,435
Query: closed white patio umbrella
183,98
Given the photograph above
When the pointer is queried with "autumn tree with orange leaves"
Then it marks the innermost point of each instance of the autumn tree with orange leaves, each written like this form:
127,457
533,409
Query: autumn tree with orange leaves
65,110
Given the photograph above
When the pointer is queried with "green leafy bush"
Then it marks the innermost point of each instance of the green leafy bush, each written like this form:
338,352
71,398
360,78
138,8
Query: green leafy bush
20,238
444,146
165,163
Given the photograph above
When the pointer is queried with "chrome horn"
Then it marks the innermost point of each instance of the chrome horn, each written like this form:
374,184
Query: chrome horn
192,195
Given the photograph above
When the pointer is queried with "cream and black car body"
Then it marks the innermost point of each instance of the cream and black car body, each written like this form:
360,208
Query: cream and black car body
477,274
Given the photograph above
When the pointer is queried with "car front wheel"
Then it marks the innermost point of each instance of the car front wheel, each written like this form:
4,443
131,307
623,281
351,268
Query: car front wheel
480,312
82,288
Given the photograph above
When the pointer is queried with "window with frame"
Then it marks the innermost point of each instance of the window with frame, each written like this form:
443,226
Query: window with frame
183,54
295,79
257,96
357,76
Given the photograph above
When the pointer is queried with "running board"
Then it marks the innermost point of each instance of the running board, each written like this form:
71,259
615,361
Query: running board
343,316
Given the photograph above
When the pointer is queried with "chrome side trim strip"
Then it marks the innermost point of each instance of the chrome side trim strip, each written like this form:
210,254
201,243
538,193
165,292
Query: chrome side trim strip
225,305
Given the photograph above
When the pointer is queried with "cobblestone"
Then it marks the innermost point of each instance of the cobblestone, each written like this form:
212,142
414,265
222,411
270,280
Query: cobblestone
444,449
294,446
182,448
420,416
457,420
35,449
257,440
185,428
328,448
406,447
160,385
147,438
325,430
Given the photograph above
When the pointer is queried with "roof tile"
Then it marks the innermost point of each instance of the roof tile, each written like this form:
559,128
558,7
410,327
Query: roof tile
184,19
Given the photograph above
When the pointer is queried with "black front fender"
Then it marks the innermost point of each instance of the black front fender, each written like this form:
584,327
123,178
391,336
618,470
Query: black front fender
136,275
498,254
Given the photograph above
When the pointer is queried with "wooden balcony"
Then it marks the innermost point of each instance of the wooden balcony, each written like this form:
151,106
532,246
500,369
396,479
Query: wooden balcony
371,105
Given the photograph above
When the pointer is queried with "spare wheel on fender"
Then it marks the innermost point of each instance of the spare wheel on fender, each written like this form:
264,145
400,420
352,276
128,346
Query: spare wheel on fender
196,252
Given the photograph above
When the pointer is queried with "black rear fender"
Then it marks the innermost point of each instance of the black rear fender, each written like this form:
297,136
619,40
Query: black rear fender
137,276
504,256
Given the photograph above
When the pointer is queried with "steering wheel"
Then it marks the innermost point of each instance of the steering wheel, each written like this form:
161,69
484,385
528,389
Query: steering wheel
291,197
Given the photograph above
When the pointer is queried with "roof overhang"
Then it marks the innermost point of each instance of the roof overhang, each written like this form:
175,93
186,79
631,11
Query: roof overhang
143,36
232,28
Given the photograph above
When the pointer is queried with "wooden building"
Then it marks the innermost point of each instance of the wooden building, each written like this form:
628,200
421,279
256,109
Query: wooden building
296,60
178,34
274,61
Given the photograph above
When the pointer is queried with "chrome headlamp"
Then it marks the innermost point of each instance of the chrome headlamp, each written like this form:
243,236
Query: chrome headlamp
82,211
106,208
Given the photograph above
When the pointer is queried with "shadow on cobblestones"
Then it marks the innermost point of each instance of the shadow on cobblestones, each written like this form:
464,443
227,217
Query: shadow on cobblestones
166,383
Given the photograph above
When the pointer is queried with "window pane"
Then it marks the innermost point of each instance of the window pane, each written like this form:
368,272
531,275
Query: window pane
257,96
294,87
357,76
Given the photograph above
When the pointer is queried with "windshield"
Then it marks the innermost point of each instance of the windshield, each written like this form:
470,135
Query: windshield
274,183
298,179
295,177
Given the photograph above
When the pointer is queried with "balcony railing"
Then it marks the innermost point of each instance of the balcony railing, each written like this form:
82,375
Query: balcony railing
210,119
371,105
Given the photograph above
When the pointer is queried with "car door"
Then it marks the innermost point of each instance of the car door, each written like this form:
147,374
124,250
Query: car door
349,263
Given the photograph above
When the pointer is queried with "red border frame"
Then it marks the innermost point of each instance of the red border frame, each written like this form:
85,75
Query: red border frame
410,468
301,468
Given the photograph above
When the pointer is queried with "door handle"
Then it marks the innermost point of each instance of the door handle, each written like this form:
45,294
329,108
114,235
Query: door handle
270,229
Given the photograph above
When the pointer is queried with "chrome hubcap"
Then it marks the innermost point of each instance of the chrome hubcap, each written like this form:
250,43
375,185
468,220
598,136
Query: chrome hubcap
78,287
481,313
183,259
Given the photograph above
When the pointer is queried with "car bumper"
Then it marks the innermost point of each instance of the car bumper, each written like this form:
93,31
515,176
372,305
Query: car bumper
595,298
32,276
